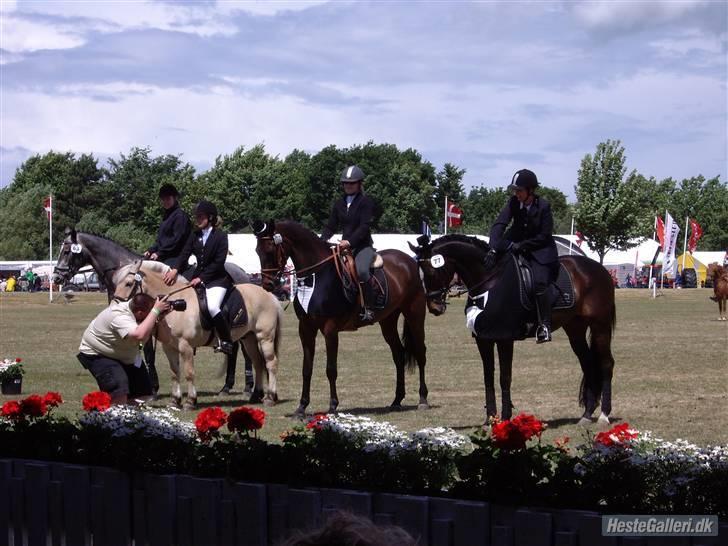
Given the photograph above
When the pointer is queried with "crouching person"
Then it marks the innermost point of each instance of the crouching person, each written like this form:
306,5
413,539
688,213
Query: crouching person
111,347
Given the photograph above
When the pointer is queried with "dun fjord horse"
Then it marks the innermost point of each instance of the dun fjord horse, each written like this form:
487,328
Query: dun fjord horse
180,332
313,259
80,249
593,309
720,288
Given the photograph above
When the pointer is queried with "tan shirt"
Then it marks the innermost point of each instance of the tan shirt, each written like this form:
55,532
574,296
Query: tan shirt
107,335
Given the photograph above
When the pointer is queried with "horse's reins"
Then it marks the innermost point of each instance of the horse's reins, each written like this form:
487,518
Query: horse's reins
278,239
443,291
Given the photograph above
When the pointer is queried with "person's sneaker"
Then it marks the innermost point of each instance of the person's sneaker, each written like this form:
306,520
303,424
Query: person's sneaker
543,334
224,347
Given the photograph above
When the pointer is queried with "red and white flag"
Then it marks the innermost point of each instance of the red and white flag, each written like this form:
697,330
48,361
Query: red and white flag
454,215
661,232
579,238
48,206
696,232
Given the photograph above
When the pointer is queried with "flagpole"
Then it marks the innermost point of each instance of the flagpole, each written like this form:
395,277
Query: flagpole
446,219
50,247
685,243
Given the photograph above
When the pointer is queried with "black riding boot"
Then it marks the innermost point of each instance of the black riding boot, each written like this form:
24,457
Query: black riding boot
225,344
543,302
366,314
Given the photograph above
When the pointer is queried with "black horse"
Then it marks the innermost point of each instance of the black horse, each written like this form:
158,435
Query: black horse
592,308
80,249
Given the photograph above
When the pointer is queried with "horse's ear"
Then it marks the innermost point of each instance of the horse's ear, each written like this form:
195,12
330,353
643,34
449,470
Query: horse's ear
272,225
70,232
258,226
415,249
423,240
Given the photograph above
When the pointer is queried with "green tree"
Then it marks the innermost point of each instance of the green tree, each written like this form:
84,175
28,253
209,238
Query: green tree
481,208
560,209
76,185
607,210
449,181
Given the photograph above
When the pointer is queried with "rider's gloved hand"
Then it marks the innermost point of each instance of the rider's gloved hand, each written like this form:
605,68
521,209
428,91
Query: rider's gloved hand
490,258
516,248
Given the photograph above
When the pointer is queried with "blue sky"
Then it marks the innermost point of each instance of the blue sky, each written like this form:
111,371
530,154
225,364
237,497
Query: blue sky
491,86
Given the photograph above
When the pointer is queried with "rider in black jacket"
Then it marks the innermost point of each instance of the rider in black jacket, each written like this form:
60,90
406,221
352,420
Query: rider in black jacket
354,213
532,235
173,231
210,247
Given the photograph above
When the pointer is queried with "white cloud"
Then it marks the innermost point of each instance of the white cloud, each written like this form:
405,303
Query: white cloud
266,7
21,35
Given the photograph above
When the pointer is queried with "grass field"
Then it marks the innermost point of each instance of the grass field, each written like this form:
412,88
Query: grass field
671,373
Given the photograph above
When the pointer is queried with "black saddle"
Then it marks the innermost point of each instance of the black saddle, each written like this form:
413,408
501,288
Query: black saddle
562,291
233,308
376,291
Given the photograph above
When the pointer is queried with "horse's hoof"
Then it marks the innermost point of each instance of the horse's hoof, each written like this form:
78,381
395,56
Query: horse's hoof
584,422
256,397
300,413
189,405
225,391
423,406
269,402
395,406
603,421
177,402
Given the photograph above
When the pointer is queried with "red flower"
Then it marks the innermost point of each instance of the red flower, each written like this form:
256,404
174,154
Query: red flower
245,418
18,360
33,406
12,410
52,399
209,421
514,433
97,401
617,435
316,421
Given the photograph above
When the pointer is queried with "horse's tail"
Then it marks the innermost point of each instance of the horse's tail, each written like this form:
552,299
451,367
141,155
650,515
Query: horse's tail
408,341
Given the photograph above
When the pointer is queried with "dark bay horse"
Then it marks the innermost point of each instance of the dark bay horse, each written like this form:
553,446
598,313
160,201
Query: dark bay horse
278,241
80,249
593,309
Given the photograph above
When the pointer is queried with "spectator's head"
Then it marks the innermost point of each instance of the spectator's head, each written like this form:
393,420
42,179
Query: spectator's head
345,529
141,305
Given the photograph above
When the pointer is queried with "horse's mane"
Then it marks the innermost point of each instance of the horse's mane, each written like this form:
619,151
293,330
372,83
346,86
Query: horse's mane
106,238
467,239
156,267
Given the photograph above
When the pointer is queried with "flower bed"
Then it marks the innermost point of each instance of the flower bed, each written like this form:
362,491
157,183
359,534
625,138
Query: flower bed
621,470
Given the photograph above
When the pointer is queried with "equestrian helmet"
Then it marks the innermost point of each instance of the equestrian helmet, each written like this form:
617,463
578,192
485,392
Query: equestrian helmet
523,179
168,190
352,174
207,209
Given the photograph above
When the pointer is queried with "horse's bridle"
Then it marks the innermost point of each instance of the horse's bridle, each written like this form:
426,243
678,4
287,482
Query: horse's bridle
138,285
439,296
65,271
282,259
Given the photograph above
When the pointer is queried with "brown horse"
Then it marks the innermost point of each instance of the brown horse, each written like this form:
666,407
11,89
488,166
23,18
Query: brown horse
593,309
313,259
720,288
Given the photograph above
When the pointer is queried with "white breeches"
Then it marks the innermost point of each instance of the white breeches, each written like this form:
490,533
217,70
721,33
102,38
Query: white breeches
214,299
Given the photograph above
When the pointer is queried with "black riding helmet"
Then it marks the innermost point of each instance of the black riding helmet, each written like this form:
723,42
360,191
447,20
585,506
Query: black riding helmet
523,179
352,174
168,190
208,209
